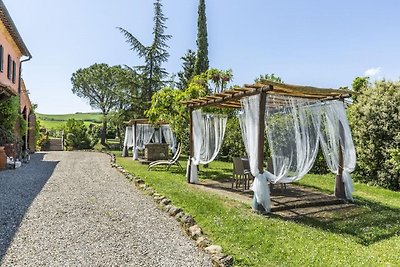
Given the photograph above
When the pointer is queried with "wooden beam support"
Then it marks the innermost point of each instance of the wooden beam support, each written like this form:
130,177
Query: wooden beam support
261,130
339,188
190,143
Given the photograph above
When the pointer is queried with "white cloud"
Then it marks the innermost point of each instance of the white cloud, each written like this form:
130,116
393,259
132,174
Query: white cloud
372,72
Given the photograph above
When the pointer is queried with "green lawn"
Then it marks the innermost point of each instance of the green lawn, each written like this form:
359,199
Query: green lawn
367,235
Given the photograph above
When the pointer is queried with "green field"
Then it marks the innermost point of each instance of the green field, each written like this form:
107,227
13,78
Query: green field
56,122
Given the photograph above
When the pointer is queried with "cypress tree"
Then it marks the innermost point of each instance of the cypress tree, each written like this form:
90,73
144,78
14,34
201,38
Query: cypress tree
201,64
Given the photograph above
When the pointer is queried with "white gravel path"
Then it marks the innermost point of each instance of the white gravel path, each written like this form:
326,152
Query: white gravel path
73,209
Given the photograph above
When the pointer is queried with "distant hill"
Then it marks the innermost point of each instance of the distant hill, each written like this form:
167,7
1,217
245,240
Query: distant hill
56,122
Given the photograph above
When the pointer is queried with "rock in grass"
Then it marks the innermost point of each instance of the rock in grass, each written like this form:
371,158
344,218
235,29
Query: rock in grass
221,260
213,249
187,221
174,210
203,242
179,216
195,232
165,201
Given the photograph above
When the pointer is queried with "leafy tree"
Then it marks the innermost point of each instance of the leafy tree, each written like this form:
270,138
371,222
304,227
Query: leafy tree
152,72
217,79
186,74
202,63
359,84
268,77
99,84
375,123
77,136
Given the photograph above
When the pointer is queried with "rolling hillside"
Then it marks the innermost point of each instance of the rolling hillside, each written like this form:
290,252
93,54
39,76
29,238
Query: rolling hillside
56,122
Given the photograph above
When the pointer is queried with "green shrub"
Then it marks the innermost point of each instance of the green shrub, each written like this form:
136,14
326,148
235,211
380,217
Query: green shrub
375,122
77,136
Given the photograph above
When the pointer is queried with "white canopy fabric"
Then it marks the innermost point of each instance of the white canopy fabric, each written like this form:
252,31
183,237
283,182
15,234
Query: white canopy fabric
294,131
208,135
169,137
128,141
144,133
333,117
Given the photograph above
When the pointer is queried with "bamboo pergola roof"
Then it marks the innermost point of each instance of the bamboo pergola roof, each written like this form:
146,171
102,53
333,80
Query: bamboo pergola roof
231,98
143,121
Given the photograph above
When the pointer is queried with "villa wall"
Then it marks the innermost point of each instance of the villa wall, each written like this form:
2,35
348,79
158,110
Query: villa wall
9,48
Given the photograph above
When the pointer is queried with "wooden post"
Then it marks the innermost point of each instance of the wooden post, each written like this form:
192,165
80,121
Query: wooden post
261,130
339,188
135,138
190,143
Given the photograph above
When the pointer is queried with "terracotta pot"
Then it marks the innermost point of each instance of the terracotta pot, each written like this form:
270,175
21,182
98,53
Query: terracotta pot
3,158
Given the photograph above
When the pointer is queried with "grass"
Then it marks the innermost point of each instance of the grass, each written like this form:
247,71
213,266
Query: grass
367,235
57,122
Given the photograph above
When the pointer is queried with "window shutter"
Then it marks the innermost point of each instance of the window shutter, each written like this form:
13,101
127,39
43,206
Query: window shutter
1,58
13,71
9,67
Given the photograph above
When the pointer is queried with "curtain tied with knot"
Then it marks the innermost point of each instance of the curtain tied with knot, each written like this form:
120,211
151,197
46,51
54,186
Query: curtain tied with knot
208,135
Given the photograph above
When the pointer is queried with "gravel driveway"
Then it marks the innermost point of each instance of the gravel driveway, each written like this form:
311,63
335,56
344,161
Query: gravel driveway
73,209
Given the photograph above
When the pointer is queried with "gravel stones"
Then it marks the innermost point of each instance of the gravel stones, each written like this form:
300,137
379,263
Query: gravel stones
73,209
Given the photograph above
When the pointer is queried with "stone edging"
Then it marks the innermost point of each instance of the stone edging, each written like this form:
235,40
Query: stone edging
186,221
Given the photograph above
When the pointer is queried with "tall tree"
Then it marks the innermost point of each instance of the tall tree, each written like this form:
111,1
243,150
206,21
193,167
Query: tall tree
201,64
154,55
186,74
99,84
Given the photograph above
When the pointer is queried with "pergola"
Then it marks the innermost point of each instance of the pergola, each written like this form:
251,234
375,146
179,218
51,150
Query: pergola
134,123
231,99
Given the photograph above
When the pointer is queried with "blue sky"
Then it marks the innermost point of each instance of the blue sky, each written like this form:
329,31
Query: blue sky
310,42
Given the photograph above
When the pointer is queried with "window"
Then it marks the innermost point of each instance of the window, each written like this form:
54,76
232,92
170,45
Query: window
13,71
9,67
1,58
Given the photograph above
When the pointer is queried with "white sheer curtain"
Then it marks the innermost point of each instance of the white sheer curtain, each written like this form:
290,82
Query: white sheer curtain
333,117
208,135
169,137
144,133
128,141
292,126
157,138
249,122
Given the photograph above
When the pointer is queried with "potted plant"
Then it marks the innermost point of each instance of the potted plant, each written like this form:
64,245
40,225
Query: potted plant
6,138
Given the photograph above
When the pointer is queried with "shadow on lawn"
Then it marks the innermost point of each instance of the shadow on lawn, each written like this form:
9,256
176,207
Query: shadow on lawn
368,222
18,189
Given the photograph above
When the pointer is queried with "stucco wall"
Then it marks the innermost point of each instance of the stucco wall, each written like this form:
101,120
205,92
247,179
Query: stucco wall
10,48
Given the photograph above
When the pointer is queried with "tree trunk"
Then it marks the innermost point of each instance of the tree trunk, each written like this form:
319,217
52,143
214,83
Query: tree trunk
104,131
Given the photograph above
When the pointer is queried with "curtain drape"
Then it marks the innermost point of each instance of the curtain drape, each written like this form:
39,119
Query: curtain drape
292,127
249,122
128,141
169,137
208,135
144,133
335,131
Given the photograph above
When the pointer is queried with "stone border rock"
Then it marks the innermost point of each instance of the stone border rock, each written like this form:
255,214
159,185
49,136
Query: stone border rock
186,221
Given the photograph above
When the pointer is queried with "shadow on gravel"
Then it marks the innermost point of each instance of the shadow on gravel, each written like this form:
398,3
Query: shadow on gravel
18,189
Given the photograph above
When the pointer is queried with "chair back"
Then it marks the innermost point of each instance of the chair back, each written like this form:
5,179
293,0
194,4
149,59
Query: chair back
238,167
246,163
177,153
